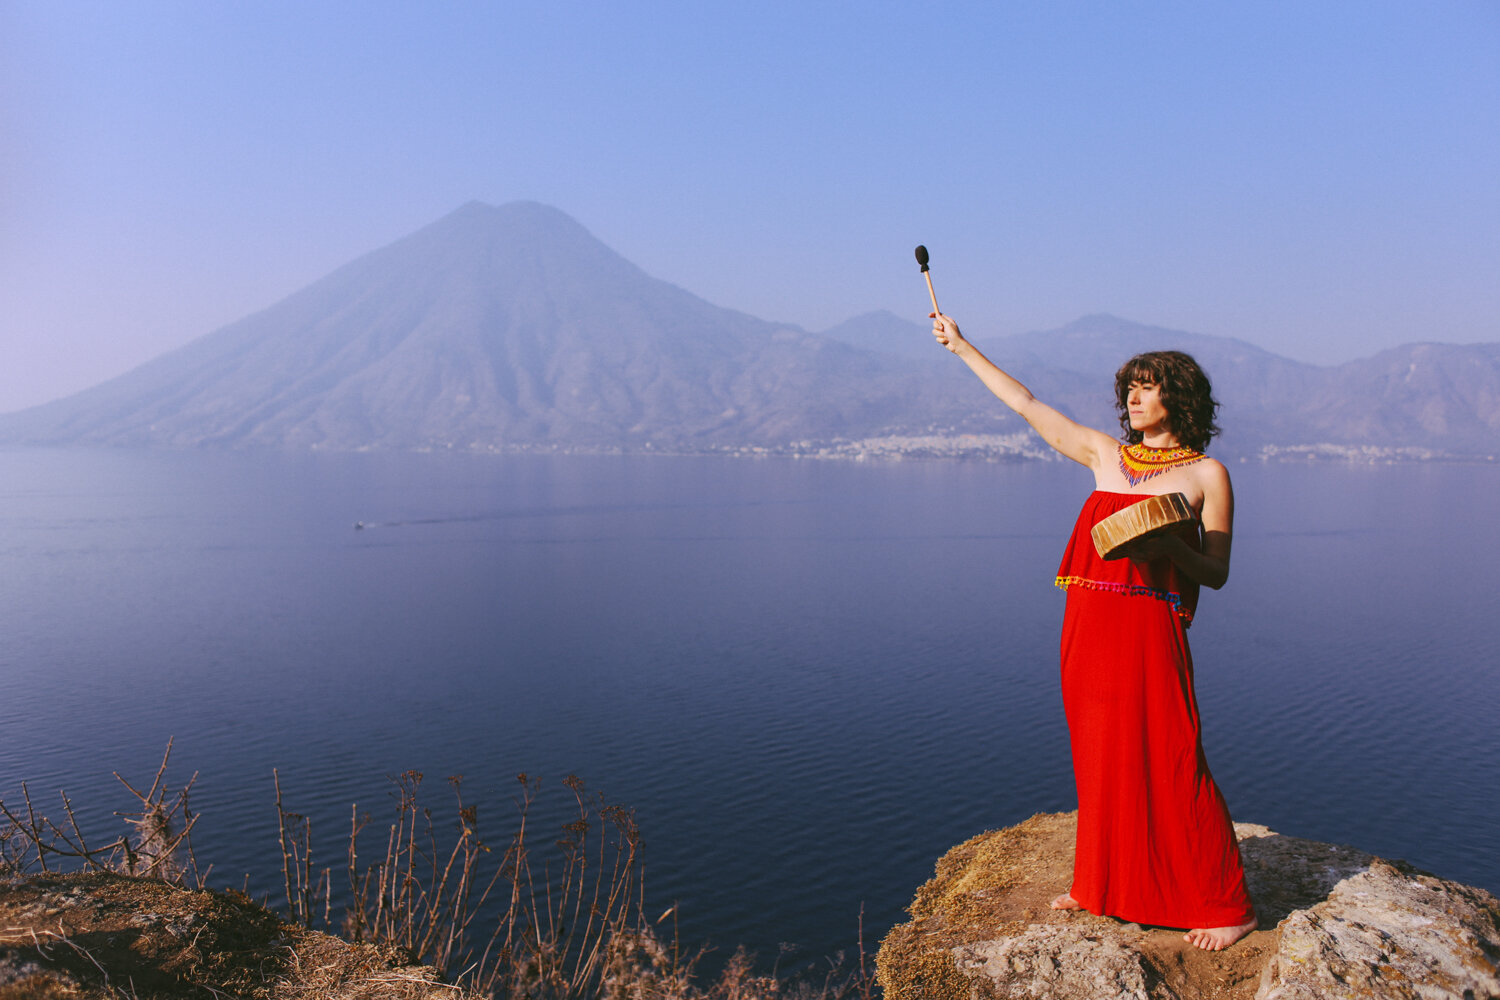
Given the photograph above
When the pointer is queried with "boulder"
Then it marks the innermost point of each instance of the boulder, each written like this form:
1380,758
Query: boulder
1334,922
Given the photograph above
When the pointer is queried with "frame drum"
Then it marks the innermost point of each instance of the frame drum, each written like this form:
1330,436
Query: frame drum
1151,516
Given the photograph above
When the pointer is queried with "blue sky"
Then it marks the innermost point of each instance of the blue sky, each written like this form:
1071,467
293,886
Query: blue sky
1317,178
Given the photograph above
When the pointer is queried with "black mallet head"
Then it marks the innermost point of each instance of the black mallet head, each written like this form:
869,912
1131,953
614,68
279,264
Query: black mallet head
922,259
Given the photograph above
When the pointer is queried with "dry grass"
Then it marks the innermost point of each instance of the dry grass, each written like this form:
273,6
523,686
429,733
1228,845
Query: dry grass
443,911
108,935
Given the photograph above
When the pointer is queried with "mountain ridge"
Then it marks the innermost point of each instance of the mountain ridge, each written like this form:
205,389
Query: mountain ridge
1426,395
513,327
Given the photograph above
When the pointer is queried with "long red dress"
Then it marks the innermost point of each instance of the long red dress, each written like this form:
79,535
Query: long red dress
1155,843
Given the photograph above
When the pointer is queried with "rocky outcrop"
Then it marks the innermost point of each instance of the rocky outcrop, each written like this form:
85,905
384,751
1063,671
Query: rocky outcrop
1335,922
101,935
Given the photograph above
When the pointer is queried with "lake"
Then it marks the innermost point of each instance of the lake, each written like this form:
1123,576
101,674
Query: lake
809,679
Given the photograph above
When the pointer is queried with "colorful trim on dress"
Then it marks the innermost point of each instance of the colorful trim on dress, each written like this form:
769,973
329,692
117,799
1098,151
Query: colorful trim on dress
1128,590
1140,462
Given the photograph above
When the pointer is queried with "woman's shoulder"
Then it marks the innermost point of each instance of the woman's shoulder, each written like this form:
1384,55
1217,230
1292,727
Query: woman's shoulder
1211,466
1211,476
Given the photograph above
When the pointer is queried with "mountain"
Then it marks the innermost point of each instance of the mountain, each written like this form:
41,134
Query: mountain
502,327
510,327
1438,397
1426,395
887,333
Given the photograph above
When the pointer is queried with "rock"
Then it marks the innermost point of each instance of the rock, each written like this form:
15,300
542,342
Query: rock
1335,922
102,935
1389,931
1055,962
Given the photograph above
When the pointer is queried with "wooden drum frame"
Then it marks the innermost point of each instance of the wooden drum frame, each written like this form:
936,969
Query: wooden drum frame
1152,516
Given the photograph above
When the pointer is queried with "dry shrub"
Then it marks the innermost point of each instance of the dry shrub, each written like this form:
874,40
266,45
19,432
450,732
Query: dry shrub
443,910
558,922
160,844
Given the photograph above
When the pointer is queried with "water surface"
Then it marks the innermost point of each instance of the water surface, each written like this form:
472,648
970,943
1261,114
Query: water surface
810,679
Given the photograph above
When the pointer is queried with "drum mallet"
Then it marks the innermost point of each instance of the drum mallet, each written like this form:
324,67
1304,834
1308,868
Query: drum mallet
922,259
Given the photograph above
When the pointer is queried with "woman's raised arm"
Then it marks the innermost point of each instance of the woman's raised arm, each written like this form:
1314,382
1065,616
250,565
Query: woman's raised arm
1084,445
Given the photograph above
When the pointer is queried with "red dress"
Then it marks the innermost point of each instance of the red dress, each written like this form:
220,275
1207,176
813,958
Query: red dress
1155,843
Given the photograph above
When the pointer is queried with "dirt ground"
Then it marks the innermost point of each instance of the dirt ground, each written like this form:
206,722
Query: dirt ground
108,936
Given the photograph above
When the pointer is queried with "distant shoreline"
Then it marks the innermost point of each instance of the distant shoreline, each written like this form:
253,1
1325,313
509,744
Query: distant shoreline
999,448
994,448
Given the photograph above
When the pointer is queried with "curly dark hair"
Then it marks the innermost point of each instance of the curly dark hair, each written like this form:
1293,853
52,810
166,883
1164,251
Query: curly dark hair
1185,392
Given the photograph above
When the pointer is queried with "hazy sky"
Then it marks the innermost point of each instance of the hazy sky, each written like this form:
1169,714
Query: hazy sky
1322,179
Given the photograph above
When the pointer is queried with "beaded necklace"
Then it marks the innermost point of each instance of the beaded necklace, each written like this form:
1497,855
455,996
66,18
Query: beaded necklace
1140,462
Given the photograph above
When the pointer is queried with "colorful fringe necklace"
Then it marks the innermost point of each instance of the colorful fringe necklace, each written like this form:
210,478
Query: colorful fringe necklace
1140,462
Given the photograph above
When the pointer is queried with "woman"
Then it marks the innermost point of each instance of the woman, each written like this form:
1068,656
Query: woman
1155,843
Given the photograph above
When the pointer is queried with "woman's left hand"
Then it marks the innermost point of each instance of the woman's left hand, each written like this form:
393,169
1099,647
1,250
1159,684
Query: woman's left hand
1156,547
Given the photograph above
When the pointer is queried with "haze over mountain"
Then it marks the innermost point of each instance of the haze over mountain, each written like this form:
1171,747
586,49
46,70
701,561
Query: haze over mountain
513,327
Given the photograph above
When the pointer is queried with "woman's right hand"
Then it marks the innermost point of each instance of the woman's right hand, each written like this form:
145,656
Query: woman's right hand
945,330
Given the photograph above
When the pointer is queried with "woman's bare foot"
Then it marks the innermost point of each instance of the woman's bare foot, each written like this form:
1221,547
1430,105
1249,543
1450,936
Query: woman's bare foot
1216,938
1066,902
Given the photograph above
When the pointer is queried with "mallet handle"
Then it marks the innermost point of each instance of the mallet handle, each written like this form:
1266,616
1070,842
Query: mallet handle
931,294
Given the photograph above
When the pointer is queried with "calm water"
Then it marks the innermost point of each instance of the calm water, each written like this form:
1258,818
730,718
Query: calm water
809,679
